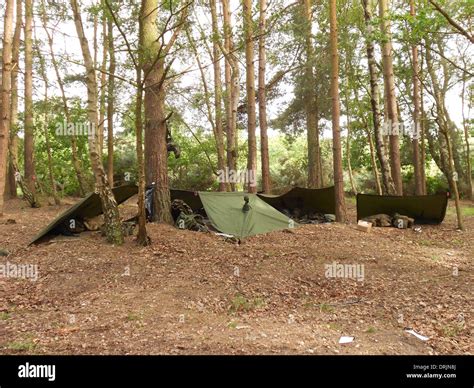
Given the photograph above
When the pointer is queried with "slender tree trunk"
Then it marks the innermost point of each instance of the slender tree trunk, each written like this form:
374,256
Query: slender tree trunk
423,142
250,83
29,124
470,193
110,103
142,237
422,133
388,185
349,122
219,134
102,88
13,143
6,94
13,138
416,114
262,99
113,228
311,103
389,81
232,76
76,161
373,161
348,157
336,130
156,154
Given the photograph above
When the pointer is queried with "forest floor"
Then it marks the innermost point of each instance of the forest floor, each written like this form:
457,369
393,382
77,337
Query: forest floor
194,293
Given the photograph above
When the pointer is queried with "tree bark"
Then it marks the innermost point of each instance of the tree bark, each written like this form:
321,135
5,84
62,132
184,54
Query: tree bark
336,130
388,185
11,184
219,132
373,161
389,80
262,99
29,150
311,103
102,88
142,237
250,84
232,76
110,103
156,154
113,227
417,162
6,94
349,122
470,193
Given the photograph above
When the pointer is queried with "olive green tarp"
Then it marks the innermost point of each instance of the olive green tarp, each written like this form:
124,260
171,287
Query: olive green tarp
88,207
225,211
307,200
425,209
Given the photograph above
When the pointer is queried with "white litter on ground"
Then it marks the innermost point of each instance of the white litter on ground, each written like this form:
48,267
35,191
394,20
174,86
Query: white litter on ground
419,336
346,340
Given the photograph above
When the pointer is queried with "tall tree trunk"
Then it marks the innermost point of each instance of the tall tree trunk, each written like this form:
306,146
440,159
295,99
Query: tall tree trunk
76,161
156,154
392,111
422,132
262,99
232,75
219,134
311,103
388,185
29,124
6,94
418,167
113,227
470,193
423,142
373,161
142,237
13,170
349,122
336,130
110,103
102,88
250,83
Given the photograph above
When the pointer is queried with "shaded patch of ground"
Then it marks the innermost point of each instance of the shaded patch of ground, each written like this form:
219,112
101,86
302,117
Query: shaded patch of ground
191,292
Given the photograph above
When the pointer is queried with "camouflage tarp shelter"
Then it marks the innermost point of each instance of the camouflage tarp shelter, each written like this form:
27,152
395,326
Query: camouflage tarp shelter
425,209
307,200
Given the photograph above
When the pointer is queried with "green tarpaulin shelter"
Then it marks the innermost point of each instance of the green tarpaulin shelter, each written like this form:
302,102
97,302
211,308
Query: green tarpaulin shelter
307,200
88,207
225,211
425,209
